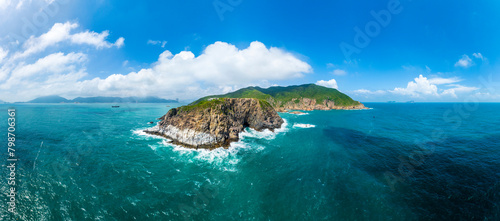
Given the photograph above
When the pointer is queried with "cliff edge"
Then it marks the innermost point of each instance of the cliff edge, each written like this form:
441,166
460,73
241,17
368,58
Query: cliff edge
215,122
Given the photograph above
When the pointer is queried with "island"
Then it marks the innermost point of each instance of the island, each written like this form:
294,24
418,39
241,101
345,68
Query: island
216,121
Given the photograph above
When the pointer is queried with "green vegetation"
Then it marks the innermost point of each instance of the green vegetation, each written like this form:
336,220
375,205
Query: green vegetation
203,104
287,94
265,105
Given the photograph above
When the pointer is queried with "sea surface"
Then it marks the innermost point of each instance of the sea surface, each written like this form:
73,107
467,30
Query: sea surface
402,161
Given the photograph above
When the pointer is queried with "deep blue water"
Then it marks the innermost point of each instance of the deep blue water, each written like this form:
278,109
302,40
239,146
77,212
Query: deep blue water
422,161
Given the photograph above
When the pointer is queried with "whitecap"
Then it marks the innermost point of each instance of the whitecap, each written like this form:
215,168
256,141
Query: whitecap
304,125
140,132
265,134
299,114
224,159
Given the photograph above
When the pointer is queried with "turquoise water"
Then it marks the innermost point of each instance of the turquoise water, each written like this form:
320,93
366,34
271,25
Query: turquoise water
436,161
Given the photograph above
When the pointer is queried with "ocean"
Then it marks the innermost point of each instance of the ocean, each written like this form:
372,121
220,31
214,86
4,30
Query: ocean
401,161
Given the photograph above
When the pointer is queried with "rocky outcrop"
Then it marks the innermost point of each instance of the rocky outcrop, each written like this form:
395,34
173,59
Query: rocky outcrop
215,123
308,104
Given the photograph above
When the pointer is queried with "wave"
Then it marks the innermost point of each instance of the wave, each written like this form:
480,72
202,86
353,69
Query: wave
304,125
265,134
370,108
299,114
141,133
224,159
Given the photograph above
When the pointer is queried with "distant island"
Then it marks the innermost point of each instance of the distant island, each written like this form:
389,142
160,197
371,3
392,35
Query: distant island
215,121
59,99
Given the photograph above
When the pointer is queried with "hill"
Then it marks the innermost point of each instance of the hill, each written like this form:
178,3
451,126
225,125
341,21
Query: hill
300,97
49,99
122,100
215,123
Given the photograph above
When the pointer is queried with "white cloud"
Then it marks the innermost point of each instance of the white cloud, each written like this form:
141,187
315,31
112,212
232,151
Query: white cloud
339,72
464,62
420,86
221,64
438,80
331,83
96,39
458,89
4,4
3,54
19,4
219,68
60,32
479,56
119,42
161,43
365,91
43,68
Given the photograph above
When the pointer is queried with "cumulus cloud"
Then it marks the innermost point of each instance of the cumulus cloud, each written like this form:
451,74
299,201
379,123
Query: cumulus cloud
221,67
423,87
331,83
339,72
43,69
420,86
60,32
221,64
464,62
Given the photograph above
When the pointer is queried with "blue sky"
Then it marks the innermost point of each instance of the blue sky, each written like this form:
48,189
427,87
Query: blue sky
425,51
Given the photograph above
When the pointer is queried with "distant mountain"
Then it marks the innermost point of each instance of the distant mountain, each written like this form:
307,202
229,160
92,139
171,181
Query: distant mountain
58,99
49,99
298,97
122,100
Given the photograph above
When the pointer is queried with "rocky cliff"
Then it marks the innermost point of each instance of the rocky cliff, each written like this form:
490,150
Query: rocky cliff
309,104
215,122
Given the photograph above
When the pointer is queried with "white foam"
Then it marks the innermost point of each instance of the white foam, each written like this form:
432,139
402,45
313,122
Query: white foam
222,158
304,125
299,114
141,133
360,109
265,134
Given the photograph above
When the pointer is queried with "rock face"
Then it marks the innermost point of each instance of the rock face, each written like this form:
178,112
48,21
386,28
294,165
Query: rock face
308,104
216,123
